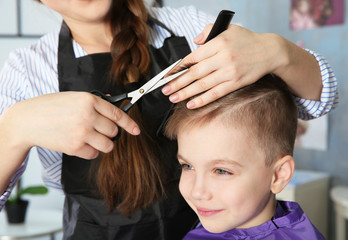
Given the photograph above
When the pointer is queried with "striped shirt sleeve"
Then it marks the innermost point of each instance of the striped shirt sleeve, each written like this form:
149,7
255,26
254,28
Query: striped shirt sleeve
29,72
12,183
309,109
12,90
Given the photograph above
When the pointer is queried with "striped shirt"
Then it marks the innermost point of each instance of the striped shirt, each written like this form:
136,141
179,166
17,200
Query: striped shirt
32,72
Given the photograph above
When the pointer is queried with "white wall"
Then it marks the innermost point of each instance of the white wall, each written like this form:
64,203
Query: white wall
35,17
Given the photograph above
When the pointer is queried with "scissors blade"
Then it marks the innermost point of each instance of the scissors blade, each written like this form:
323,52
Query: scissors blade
166,80
137,94
147,86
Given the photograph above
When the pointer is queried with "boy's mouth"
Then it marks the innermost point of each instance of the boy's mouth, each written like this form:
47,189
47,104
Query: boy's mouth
207,212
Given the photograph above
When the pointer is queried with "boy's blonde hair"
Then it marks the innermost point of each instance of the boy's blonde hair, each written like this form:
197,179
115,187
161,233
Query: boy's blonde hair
264,110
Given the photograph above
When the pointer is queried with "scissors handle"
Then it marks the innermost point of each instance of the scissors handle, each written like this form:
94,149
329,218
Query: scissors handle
117,98
110,99
127,107
114,99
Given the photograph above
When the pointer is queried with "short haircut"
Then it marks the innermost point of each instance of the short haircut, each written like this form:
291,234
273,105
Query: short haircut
265,111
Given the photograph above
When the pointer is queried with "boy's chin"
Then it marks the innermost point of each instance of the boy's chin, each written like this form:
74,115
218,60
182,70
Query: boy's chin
214,228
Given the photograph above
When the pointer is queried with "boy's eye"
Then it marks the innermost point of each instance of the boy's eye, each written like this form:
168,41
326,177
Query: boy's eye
185,166
222,172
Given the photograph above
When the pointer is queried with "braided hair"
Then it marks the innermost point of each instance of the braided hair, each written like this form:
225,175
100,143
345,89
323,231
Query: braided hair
129,178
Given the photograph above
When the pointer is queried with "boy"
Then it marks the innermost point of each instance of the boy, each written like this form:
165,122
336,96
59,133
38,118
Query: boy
236,155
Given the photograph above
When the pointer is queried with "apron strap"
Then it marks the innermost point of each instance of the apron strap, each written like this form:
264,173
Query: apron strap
65,40
151,21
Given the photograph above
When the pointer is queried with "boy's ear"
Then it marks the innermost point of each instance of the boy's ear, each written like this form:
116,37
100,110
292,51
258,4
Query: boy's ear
283,170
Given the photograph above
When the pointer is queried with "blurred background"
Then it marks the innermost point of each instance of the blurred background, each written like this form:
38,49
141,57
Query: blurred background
22,22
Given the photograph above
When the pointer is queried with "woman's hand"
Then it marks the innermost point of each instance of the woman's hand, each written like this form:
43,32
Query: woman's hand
239,57
76,123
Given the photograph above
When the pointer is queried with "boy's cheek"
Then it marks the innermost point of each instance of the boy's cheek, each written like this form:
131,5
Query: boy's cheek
184,186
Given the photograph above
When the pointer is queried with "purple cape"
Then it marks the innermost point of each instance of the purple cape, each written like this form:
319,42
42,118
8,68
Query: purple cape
288,223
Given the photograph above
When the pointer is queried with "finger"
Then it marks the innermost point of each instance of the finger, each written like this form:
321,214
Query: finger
211,95
86,142
197,77
230,81
100,142
117,116
200,39
204,51
190,61
196,56
105,126
86,152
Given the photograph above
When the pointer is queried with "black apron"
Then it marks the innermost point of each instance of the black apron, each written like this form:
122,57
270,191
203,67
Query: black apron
86,216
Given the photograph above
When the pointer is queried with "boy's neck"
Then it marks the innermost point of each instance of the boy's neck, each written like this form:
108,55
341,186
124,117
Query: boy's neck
264,216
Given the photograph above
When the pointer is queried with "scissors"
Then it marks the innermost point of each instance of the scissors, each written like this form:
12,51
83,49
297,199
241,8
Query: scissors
135,95
148,87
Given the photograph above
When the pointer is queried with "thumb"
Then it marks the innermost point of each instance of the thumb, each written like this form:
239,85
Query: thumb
200,39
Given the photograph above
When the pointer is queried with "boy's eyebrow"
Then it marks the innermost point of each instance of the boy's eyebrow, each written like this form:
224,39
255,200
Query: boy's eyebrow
226,161
216,161
178,156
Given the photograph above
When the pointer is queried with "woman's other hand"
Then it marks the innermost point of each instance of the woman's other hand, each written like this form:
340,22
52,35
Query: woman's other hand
238,57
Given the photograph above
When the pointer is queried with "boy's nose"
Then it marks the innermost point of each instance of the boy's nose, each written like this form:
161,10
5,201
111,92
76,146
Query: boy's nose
200,189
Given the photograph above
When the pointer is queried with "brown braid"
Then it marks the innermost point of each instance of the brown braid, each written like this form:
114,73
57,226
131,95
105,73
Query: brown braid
131,36
129,178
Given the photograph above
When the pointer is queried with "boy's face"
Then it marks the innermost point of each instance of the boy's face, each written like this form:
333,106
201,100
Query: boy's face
224,178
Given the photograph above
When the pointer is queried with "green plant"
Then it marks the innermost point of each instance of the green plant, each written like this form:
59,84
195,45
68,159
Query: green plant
33,190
